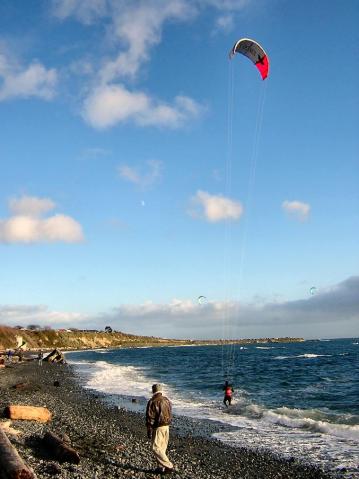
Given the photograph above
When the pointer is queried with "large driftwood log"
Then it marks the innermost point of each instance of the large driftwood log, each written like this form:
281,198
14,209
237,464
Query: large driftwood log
55,356
11,464
60,449
28,413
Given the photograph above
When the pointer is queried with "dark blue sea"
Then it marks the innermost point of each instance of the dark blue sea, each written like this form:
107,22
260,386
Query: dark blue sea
296,399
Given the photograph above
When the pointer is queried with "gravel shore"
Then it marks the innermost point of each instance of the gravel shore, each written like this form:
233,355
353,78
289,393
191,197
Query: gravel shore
112,442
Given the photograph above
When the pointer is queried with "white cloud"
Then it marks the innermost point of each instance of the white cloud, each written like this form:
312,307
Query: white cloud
138,25
296,209
17,81
334,312
215,208
27,229
30,205
24,315
224,23
85,11
132,174
135,28
112,104
26,226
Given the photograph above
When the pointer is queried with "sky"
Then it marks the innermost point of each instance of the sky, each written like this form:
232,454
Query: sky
141,168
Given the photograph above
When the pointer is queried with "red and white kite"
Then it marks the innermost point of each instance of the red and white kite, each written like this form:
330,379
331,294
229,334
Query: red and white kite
252,50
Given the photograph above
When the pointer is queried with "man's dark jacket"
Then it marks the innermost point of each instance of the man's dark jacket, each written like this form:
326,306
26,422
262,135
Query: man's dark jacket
159,411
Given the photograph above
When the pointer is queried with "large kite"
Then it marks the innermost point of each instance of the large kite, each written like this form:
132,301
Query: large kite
254,52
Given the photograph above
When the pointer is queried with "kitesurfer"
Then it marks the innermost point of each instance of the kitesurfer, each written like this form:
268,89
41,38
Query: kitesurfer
228,391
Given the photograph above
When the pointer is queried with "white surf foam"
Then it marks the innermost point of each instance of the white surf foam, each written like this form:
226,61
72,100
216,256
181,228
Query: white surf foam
111,379
306,356
303,422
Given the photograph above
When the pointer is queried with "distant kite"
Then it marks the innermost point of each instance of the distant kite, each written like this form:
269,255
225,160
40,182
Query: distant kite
202,300
313,290
252,50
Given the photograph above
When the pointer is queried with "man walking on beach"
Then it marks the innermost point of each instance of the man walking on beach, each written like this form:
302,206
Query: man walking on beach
158,419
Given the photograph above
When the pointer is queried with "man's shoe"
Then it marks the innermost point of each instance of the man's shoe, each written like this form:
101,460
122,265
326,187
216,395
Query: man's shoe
159,470
168,470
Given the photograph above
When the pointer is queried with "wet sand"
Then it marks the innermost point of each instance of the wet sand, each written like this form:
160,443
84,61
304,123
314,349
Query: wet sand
112,442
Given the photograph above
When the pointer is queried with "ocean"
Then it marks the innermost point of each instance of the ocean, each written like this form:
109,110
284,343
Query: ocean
296,399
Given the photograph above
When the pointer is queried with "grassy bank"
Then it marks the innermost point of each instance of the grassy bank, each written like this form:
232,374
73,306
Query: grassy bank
49,339
74,340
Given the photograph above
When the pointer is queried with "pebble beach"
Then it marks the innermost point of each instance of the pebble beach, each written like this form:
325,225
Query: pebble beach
112,442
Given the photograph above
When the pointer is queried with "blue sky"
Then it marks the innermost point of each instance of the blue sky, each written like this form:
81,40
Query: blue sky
115,204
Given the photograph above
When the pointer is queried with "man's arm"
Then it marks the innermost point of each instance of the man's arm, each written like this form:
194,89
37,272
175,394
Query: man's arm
149,419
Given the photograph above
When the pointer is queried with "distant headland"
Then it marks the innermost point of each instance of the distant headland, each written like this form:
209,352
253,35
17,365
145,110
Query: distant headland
68,339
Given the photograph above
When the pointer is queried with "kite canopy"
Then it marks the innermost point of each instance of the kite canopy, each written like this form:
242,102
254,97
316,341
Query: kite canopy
313,290
202,300
254,52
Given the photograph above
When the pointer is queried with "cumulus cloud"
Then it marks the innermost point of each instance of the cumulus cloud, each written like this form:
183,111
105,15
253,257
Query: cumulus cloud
30,205
331,313
12,315
111,104
296,209
27,225
133,175
215,208
135,28
326,312
17,81
138,25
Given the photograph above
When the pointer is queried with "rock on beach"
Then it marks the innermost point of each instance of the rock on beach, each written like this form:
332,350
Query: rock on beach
112,442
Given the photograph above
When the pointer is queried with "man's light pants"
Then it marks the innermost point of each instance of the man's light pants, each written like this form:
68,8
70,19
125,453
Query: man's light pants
160,437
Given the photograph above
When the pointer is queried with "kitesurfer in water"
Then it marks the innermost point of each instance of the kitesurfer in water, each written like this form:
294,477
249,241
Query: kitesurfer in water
228,391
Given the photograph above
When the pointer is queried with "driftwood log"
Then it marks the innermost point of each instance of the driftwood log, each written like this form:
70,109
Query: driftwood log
55,356
11,464
25,385
28,413
61,451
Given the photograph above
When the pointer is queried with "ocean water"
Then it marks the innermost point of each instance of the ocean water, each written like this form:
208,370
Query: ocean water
295,399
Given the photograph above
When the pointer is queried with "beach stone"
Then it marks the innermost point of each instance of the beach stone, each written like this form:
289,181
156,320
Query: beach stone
53,469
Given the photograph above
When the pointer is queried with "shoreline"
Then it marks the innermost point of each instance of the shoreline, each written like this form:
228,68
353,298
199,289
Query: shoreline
112,442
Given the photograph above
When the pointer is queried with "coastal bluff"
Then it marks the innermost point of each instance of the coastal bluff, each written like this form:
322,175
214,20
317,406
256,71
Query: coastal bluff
83,339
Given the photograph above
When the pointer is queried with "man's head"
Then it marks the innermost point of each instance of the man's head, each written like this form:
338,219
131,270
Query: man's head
156,388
